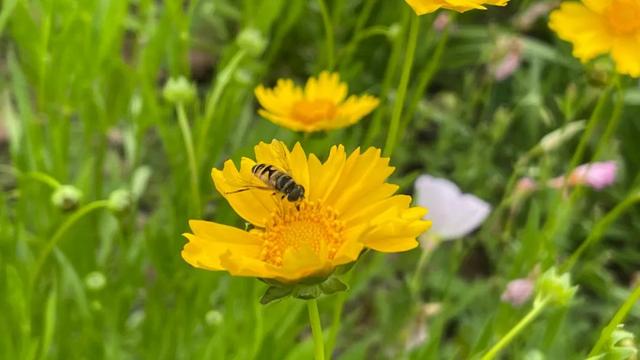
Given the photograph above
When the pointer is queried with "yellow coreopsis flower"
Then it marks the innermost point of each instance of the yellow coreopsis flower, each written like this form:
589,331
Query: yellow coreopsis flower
422,7
347,207
597,27
322,105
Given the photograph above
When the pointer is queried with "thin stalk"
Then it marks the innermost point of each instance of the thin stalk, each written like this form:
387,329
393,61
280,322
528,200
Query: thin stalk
191,158
600,227
363,16
222,80
336,322
531,315
57,236
591,126
618,318
43,178
425,76
316,328
328,30
402,86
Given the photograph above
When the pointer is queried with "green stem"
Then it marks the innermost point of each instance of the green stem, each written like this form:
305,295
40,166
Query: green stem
222,80
425,76
191,158
531,315
618,318
402,86
328,29
316,328
338,305
43,178
591,126
57,236
600,227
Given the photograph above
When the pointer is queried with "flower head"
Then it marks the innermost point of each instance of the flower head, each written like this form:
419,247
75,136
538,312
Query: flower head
453,213
422,7
347,207
602,27
321,105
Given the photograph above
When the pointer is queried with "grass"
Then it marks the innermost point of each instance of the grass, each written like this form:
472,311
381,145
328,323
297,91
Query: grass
81,104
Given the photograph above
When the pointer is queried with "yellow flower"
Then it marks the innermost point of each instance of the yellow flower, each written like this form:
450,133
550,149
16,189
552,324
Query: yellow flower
322,105
422,7
347,207
597,27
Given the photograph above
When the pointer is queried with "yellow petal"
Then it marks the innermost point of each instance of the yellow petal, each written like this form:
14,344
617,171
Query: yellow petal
584,28
239,265
210,240
253,205
626,54
324,176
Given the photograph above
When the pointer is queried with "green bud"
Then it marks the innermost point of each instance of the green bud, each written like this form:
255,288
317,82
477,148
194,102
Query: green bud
95,281
179,91
66,197
213,318
621,346
119,200
251,41
557,288
394,31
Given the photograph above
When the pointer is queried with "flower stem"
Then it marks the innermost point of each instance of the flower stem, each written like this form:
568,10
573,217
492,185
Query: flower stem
538,306
340,299
402,86
316,328
620,315
191,158
57,236
328,29
600,227
222,80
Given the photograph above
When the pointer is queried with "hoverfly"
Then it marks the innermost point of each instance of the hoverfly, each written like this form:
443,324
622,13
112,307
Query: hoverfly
275,179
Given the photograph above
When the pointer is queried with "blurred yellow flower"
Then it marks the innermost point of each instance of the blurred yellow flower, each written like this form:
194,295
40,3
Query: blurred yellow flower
597,27
347,207
422,7
322,105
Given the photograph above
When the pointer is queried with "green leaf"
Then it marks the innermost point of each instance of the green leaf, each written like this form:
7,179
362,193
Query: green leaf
275,293
332,286
306,292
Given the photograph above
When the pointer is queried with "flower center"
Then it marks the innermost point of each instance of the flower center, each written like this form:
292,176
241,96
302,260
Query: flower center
310,225
311,111
623,16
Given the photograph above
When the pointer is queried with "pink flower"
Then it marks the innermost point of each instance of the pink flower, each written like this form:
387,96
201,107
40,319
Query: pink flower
518,291
526,185
441,22
597,175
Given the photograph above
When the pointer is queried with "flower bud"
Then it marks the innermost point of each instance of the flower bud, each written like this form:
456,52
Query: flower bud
66,197
119,200
213,318
518,291
556,138
620,346
179,90
394,31
252,41
95,281
557,288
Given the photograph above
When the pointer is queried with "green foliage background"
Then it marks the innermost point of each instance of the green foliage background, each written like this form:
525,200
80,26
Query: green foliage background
81,100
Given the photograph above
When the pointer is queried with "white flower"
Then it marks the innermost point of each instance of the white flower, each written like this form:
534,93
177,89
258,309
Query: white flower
453,213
